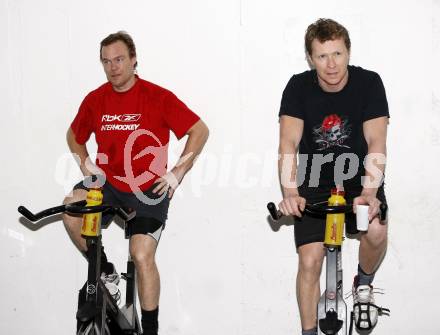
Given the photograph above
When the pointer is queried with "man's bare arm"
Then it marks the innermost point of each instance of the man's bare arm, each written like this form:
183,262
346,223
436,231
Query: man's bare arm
197,137
291,130
87,167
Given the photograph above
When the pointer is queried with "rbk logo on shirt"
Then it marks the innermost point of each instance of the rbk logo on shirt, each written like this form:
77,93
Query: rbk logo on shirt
120,118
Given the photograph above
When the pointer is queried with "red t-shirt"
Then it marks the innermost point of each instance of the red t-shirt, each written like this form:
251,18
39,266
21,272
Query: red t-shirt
132,130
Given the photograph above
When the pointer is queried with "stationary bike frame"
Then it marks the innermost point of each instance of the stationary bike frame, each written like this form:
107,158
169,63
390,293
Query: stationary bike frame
98,313
331,309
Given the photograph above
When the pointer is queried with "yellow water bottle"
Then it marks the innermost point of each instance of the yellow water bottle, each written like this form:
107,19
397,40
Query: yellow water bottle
334,226
91,226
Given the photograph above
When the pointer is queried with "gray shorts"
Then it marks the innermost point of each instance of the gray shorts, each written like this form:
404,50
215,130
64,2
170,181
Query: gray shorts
149,220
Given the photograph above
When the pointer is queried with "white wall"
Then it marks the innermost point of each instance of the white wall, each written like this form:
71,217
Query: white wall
224,270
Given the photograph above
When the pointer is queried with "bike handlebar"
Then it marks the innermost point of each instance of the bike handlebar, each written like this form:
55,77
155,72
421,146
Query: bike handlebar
318,209
78,207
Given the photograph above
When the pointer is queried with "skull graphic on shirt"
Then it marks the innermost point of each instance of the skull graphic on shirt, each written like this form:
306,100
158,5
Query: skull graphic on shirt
333,131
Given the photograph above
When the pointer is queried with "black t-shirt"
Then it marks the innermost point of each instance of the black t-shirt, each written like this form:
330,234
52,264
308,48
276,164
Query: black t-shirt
333,126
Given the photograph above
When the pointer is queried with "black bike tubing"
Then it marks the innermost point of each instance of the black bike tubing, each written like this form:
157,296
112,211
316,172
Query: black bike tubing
130,295
94,269
350,331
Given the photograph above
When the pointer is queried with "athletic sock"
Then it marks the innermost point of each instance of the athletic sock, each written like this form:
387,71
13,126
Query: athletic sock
150,323
313,331
363,277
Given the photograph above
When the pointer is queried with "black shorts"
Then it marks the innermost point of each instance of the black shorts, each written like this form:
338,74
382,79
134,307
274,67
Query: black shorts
310,228
150,219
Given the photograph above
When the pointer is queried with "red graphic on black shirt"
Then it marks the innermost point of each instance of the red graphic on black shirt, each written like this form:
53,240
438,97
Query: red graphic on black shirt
333,132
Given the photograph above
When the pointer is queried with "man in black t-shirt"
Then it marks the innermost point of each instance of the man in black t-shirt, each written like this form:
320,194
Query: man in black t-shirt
335,116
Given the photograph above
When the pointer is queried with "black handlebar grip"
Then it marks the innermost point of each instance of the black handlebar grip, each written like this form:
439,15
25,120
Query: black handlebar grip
273,211
27,213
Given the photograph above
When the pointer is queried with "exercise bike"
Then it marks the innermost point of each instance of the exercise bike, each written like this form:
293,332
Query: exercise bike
332,309
98,312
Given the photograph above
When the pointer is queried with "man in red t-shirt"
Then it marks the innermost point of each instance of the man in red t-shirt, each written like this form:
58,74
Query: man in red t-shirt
131,119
